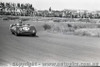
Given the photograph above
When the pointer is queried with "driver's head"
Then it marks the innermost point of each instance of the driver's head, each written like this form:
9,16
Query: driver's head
20,21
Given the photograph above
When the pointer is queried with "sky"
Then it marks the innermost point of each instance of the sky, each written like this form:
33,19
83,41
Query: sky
60,4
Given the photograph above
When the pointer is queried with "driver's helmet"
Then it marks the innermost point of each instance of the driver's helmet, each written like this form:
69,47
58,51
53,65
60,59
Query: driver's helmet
19,23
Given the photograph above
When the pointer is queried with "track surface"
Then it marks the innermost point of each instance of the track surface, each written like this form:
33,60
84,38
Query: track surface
46,47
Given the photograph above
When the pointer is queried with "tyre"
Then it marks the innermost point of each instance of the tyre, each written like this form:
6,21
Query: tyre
34,34
16,34
12,32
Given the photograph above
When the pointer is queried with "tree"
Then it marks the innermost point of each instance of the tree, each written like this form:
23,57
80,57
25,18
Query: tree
22,6
18,5
33,8
30,6
50,9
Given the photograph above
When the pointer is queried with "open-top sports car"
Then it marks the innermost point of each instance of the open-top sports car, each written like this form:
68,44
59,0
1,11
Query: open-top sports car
24,29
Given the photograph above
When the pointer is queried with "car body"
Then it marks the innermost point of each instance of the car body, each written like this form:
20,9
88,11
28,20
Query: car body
24,29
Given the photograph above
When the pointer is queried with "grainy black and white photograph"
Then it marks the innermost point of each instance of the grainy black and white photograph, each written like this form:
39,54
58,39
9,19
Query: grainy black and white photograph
49,33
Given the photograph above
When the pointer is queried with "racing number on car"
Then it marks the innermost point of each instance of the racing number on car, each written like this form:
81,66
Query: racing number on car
26,28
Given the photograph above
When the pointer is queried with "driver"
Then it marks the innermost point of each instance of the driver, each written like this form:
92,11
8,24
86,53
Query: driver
20,23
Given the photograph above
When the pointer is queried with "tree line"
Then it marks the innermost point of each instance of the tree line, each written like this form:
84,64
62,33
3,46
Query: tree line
16,9
27,9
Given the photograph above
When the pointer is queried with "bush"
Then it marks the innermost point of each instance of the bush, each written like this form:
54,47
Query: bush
46,26
88,32
5,19
98,26
10,18
84,20
59,27
25,19
58,20
69,25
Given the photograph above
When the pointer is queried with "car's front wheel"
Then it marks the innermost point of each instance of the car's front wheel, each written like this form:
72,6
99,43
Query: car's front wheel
17,33
12,32
34,34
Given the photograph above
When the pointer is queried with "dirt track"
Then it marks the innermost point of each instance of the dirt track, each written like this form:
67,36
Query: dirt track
46,47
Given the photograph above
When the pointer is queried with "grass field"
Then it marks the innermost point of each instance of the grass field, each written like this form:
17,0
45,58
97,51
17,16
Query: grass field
84,27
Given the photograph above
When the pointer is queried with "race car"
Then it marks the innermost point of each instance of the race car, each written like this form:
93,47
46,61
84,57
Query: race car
24,29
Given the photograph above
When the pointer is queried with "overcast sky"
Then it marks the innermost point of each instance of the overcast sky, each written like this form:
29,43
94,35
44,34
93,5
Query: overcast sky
61,4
